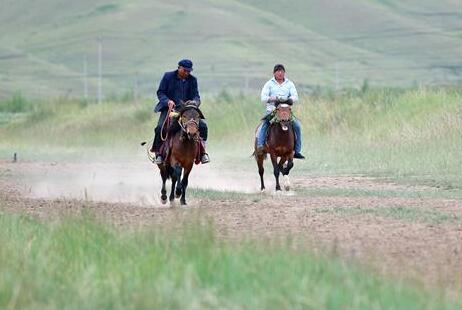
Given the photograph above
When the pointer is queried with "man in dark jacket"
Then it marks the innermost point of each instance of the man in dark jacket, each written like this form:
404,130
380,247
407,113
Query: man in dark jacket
175,88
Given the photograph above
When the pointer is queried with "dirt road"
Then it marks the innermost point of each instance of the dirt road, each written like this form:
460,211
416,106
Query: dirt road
383,225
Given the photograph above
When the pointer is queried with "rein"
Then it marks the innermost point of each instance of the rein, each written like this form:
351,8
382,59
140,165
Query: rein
166,121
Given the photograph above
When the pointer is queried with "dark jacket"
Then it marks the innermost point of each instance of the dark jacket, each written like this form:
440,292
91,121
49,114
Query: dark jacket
173,88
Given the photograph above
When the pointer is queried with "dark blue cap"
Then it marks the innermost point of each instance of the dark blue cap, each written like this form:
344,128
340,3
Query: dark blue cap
187,64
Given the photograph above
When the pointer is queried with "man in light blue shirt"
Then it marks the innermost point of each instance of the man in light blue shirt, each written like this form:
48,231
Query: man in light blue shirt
279,88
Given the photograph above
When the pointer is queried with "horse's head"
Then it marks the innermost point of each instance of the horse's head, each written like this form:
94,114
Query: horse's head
284,114
190,116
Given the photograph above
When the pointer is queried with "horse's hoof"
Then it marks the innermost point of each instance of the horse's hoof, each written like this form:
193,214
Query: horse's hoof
286,183
263,191
163,201
178,195
183,204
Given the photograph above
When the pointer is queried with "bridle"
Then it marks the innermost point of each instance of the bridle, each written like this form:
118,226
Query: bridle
185,123
286,115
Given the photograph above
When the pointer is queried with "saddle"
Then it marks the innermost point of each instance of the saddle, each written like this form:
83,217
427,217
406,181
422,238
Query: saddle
166,147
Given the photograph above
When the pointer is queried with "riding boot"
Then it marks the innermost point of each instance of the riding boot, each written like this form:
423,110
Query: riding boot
157,142
205,158
157,147
203,133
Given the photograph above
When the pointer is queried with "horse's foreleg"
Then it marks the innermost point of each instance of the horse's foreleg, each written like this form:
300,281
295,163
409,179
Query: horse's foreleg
285,172
261,170
281,163
175,177
184,184
179,185
163,191
276,171
290,164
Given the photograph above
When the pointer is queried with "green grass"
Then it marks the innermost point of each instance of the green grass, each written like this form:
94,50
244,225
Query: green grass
411,136
413,214
16,104
78,262
223,195
382,193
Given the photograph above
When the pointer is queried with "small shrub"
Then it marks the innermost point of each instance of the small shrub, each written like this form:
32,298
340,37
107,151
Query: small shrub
16,104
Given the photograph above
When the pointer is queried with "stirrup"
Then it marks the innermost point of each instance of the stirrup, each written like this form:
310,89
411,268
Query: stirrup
159,160
205,158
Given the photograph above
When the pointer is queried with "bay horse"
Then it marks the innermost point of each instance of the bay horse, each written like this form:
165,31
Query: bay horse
279,144
183,148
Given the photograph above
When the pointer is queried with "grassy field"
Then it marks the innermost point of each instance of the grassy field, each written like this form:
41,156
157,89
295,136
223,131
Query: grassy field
412,136
81,263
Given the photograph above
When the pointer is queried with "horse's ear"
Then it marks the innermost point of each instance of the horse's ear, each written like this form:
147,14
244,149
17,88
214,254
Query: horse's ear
191,106
192,102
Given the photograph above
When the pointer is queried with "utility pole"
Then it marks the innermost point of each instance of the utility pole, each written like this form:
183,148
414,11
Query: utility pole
85,82
100,70
336,77
136,89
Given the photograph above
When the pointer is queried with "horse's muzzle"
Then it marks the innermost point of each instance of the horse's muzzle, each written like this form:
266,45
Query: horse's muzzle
285,125
192,129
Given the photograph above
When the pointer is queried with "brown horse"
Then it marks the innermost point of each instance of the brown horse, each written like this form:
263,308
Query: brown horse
279,144
182,152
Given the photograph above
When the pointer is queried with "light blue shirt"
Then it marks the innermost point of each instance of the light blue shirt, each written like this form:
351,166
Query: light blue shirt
272,88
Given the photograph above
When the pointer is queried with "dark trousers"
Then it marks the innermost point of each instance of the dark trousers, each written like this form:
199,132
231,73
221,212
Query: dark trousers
174,127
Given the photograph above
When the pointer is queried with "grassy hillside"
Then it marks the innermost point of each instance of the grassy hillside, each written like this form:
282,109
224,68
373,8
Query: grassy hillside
233,43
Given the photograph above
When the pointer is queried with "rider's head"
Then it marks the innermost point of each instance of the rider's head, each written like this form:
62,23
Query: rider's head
185,67
279,72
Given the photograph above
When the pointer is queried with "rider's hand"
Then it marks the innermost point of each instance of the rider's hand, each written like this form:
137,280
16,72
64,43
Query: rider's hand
171,104
272,99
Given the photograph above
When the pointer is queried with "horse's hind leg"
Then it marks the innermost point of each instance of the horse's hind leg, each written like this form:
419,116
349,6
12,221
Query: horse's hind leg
261,171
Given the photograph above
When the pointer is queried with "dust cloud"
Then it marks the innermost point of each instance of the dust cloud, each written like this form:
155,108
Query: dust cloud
132,182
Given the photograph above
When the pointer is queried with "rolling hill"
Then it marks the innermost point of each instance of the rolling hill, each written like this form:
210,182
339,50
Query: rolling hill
45,45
